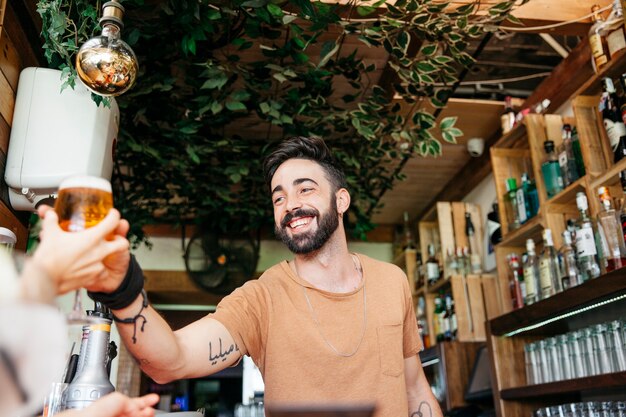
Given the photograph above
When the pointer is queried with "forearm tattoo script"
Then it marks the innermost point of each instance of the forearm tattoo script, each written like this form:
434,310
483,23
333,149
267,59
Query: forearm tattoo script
423,410
223,354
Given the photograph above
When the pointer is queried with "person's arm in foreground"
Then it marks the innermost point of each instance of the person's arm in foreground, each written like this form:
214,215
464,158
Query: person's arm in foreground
202,348
117,405
422,402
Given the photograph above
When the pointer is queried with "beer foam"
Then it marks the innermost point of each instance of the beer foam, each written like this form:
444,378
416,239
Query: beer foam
86,181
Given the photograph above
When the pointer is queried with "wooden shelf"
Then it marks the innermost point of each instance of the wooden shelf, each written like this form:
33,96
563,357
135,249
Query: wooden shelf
570,386
568,195
529,230
590,292
439,285
420,291
615,68
610,177
400,260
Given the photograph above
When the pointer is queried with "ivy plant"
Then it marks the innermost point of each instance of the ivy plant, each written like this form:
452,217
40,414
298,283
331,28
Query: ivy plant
208,68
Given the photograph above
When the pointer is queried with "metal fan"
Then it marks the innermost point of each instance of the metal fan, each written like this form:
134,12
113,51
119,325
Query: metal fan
219,264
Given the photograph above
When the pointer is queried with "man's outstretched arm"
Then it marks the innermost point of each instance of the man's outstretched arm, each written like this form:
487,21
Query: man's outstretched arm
422,402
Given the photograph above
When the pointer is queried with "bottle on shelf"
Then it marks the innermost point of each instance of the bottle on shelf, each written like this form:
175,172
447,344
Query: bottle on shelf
516,281
551,170
454,326
567,260
508,116
476,264
612,115
531,198
510,204
615,38
531,273
597,40
567,161
611,232
409,242
451,266
447,317
578,154
439,314
432,266
549,276
523,204
586,251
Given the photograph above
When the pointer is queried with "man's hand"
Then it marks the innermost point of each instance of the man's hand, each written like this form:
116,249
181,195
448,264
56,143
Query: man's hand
117,405
96,258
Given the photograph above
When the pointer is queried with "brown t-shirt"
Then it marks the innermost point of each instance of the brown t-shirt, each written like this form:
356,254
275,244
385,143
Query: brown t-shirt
290,339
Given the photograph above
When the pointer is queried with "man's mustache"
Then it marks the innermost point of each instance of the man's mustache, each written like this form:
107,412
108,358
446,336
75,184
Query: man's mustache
298,213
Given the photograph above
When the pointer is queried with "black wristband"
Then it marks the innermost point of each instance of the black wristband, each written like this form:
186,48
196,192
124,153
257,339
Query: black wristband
127,292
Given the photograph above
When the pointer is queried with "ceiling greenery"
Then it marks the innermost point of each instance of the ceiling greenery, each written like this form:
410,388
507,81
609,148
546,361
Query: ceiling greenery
207,67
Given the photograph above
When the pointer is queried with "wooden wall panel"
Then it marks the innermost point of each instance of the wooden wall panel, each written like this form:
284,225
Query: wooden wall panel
10,62
7,99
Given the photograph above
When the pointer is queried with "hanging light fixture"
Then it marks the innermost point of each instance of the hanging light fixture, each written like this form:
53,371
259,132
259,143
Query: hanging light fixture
105,64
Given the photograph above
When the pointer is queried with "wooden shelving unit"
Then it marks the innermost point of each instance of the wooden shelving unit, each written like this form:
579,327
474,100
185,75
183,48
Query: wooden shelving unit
522,151
594,383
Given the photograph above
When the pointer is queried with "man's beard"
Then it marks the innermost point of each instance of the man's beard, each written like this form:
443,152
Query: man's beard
304,243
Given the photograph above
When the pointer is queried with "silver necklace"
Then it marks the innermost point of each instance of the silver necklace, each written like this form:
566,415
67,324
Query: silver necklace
319,328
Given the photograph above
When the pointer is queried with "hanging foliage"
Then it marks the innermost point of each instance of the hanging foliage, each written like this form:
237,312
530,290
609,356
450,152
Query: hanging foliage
210,69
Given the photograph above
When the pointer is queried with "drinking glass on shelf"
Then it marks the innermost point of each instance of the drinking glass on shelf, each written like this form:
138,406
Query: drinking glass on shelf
83,202
600,351
616,345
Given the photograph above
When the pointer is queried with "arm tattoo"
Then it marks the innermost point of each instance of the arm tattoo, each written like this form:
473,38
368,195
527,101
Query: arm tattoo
426,412
223,354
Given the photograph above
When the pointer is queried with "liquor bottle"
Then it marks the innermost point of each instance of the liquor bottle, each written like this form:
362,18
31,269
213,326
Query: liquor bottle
551,170
567,258
439,318
447,317
409,243
578,154
586,251
454,326
597,40
516,281
523,205
567,161
611,114
549,276
530,195
508,116
476,264
450,267
615,250
615,39
531,274
432,266
510,202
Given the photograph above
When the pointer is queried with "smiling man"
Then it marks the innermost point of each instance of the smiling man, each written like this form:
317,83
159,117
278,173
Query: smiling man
329,326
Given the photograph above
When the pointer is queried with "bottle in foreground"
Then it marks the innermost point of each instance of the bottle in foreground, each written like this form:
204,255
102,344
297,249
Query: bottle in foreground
549,276
586,251
611,233
567,260
531,273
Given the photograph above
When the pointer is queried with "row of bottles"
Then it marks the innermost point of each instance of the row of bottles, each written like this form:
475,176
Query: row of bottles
606,36
590,247
509,118
613,110
521,204
445,323
562,166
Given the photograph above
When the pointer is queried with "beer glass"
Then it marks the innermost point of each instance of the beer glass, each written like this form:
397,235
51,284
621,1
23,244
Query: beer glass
83,202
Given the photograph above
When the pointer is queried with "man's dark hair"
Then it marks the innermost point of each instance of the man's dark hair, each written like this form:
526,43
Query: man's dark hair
311,148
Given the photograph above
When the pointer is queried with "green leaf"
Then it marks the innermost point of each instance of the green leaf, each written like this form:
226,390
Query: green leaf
188,130
448,122
514,19
288,18
365,10
192,154
328,50
274,10
214,83
404,38
429,50
216,107
264,107
280,77
254,3
425,67
235,177
235,106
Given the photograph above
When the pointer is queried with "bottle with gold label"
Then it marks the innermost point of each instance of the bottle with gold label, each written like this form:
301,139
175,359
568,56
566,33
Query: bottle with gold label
597,40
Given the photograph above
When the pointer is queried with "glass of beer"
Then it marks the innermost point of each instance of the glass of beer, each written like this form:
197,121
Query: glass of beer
83,202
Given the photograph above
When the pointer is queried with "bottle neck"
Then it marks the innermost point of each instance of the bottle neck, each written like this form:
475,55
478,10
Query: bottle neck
111,30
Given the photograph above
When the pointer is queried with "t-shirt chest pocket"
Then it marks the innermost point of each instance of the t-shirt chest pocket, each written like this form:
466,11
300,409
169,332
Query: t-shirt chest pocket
390,349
